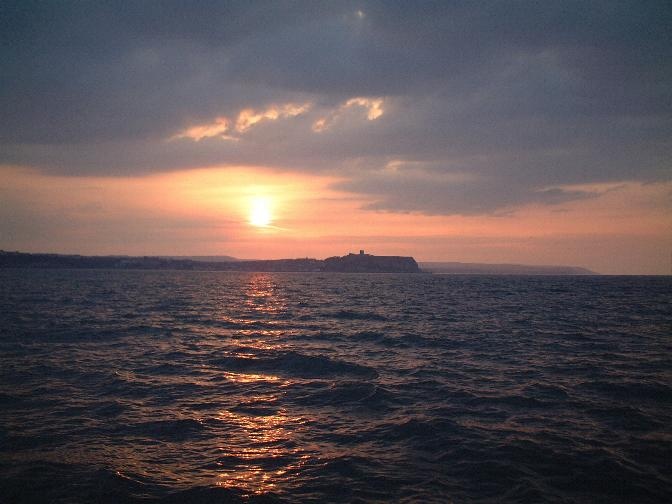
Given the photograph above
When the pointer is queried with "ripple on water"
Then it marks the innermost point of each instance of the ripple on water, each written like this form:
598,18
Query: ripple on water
295,364
131,386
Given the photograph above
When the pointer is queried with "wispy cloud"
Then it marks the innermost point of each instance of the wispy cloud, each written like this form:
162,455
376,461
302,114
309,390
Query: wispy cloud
217,128
373,107
247,118
227,129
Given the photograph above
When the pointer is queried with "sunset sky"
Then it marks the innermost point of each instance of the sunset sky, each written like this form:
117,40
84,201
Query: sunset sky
524,132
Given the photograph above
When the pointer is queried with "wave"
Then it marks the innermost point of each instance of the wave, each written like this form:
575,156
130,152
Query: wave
295,364
356,315
213,387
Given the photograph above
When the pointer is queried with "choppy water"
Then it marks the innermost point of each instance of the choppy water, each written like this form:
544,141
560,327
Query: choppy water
119,386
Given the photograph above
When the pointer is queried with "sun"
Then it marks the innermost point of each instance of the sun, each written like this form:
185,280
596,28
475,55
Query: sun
260,212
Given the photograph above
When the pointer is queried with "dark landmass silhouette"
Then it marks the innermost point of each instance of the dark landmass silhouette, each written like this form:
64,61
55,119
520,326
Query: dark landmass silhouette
458,268
367,263
351,263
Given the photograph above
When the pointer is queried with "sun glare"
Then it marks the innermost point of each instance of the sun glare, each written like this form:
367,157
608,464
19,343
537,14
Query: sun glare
260,212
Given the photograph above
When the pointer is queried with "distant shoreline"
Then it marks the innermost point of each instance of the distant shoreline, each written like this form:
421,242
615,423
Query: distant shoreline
351,263
459,268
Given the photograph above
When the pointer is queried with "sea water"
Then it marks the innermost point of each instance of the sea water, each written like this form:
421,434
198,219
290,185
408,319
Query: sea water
138,386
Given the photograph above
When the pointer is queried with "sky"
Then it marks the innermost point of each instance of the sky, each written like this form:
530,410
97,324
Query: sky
499,132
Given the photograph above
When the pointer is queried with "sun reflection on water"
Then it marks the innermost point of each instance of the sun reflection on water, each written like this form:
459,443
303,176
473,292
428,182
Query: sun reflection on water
262,296
249,377
263,451
268,454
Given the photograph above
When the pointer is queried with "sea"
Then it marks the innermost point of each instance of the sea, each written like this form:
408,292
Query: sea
199,387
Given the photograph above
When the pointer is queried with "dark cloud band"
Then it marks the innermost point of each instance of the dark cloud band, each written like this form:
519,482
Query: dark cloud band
522,96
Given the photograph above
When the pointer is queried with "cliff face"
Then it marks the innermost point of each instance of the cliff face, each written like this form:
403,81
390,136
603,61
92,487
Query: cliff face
366,263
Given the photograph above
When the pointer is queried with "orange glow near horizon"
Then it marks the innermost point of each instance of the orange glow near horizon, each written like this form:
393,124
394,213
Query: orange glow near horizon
208,212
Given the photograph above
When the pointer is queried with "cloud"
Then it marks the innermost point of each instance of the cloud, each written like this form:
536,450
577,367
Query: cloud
373,106
247,118
521,97
425,189
216,128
